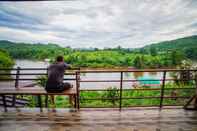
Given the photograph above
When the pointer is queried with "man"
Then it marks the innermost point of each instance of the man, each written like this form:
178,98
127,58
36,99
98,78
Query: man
56,76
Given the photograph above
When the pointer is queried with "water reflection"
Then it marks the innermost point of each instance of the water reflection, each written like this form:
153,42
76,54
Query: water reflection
138,74
153,73
93,76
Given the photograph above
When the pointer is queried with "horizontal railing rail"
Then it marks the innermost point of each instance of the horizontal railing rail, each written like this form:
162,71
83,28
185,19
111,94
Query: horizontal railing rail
77,77
33,69
121,80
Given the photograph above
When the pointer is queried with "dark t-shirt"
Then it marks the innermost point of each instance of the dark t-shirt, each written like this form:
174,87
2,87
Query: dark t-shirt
56,75
56,72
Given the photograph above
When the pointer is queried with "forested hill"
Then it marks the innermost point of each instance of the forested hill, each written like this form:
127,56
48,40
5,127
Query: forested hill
160,55
32,51
187,45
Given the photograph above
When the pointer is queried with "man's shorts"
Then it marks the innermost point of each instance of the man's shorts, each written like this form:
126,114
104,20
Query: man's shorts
57,87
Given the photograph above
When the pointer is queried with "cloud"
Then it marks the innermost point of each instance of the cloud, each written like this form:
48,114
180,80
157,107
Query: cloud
129,23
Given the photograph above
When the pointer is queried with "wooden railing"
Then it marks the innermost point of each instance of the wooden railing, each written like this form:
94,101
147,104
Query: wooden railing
161,89
78,80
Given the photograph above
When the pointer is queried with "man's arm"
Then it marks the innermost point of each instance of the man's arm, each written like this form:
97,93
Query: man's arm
67,66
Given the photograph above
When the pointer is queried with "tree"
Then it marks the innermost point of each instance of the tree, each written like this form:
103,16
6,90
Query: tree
138,62
176,57
153,51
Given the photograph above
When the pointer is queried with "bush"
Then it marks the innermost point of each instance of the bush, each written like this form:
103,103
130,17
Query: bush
41,80
112,94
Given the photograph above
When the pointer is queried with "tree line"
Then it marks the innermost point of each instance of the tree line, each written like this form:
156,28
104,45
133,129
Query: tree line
160,55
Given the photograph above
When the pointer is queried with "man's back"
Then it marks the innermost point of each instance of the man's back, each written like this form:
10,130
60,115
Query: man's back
56,72
56,76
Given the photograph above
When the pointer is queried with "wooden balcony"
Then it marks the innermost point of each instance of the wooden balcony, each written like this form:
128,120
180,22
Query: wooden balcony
130,119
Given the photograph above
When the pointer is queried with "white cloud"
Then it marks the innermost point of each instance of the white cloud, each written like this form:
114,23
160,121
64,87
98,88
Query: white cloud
95,23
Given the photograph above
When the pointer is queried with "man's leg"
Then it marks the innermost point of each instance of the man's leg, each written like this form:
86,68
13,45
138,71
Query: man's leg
67,86
53,101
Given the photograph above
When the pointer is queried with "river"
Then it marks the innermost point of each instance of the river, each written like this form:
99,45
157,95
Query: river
84,76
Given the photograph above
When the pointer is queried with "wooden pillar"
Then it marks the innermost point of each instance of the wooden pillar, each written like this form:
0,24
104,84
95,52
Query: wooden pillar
162,89
121,80
46,96
16,85
17,77
40,102
195,99
4,103
78,91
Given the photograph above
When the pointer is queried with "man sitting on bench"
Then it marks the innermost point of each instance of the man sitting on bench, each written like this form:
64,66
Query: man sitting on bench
56,76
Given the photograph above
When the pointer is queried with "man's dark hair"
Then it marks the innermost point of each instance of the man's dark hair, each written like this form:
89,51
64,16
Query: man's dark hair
60,58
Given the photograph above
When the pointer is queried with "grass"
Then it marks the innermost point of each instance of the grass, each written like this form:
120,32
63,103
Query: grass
87,98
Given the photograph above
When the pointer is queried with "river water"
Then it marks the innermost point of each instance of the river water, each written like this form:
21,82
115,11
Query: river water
84,76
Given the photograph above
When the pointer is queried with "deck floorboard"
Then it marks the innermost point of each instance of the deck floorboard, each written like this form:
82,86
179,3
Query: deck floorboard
143,119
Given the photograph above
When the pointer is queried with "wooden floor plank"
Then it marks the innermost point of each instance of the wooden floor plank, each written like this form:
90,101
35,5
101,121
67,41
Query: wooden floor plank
95,120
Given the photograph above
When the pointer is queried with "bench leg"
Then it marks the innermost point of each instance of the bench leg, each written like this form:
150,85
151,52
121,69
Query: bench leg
40,102
53,100
4,103
14,100
75,99
77,102
46,101
189,102
70,100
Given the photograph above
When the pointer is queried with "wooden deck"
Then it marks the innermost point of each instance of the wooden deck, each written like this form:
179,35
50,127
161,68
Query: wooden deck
138,119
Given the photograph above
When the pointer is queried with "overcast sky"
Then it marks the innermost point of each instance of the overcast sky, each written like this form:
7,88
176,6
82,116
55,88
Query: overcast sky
98,23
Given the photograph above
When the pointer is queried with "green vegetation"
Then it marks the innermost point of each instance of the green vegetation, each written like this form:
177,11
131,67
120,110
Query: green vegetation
187,45
41,80
110,97
5,62
169,54
32,51
5,59
161,55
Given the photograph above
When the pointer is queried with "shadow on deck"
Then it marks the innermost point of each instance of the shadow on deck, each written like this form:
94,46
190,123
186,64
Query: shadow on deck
135,119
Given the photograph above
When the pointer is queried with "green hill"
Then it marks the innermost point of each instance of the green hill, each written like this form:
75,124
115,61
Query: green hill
32,51
163,54
187,45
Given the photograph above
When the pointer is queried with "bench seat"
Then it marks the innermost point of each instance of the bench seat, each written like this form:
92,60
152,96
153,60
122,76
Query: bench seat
33,91
37,91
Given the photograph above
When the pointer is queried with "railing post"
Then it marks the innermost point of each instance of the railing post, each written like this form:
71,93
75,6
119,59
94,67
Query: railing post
46,96
162,89
195,100
194,97
40,102
121,80
16,85
17,77
77,87
4,103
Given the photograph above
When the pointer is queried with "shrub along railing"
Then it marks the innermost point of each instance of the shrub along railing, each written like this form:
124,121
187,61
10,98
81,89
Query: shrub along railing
185,77
117,95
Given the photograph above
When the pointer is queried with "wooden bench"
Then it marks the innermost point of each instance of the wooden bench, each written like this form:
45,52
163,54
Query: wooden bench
37,91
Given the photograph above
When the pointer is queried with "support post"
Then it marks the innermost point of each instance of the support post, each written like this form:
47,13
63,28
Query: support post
195,99
4,103
46,96
16,85
78,91
17,77
162,89
40,102
46,101
75,101
121,80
